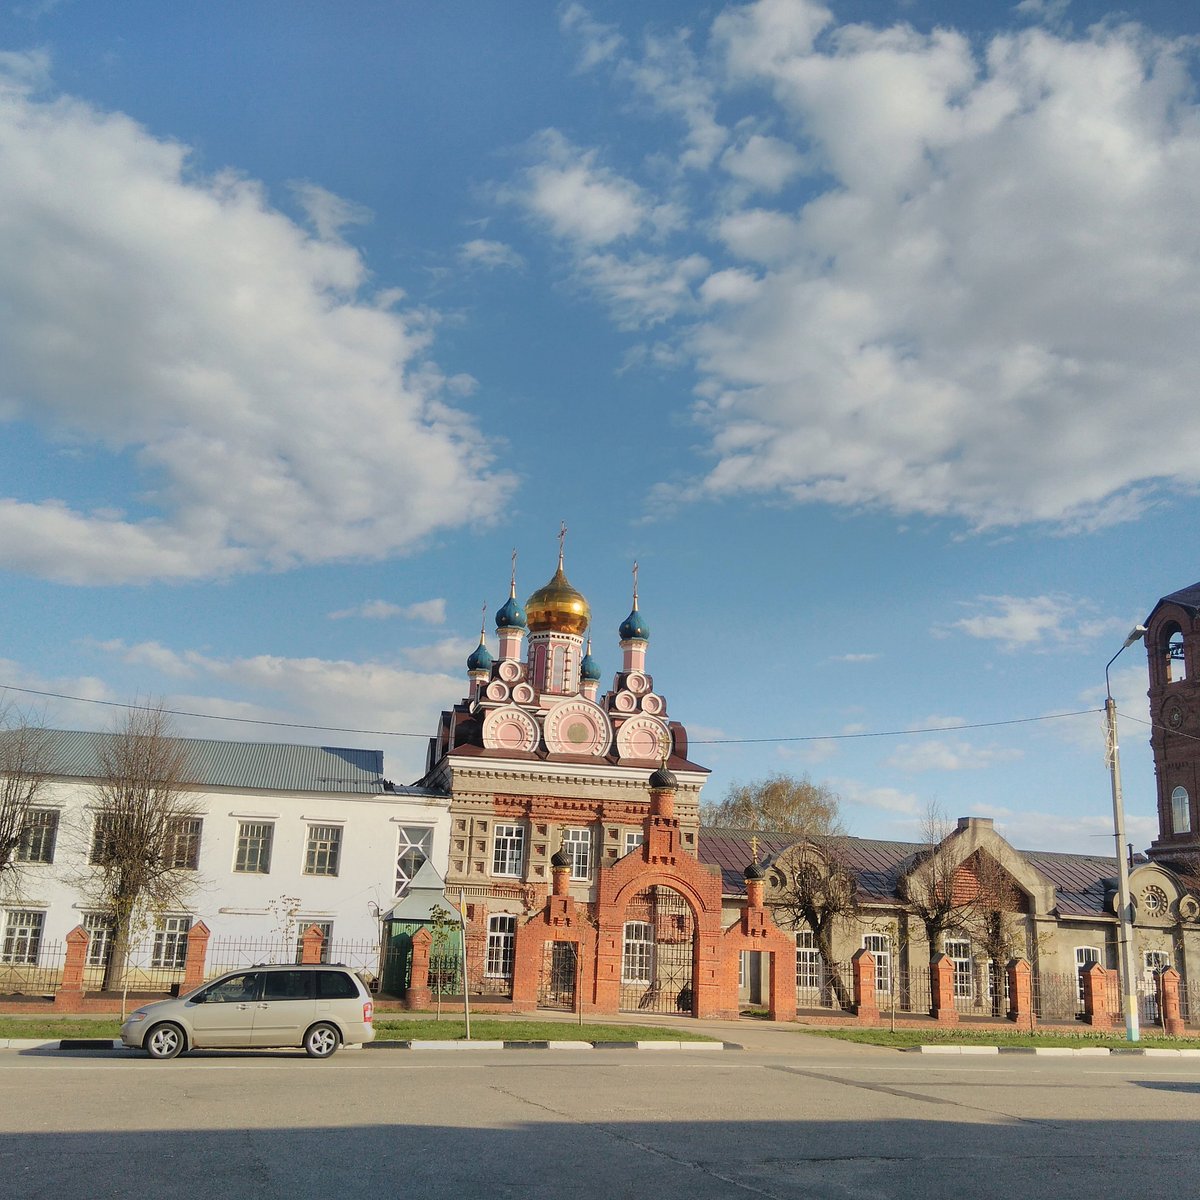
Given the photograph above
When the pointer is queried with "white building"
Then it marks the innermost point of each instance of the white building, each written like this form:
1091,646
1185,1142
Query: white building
283,837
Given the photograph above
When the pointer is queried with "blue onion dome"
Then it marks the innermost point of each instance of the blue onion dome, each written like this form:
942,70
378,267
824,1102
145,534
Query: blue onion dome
481,658
511,615
663,779
560,859
754,871
634,626
589,669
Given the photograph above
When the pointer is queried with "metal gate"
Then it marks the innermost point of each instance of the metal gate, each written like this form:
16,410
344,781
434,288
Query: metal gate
657,952
556,987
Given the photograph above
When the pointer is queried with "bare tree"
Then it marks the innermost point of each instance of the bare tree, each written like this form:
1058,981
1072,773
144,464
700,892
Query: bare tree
812,885
143,846
779,803
24,770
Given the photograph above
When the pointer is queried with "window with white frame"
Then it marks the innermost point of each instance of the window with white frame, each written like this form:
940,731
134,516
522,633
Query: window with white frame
637,954
501,938
39,831
324,850
959,950
170,942
254,847
22,935
880,946
303,926
508,850
181,846
103,837
1181,811
100,930
578,844
1084,957
808,962
633,839
414,848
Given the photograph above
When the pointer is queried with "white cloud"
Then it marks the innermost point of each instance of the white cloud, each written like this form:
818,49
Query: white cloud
481,252
996,250
582,201
880,799
1023,621
1073,834
329,214
731,286
643,290
854,658
448,655
935,754
432,612
600,42
258,393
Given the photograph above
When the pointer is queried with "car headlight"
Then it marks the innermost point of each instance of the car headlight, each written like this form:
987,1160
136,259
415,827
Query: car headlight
135,1017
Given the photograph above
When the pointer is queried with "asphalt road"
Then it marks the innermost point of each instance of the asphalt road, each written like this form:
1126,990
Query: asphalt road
841,1122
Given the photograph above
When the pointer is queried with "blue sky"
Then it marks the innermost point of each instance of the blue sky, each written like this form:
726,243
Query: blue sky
868,330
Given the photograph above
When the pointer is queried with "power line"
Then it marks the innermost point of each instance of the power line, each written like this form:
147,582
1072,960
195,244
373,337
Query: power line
814,737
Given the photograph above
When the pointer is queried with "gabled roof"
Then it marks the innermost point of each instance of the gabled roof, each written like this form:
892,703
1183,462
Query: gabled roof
1188,598
77,754
1081,879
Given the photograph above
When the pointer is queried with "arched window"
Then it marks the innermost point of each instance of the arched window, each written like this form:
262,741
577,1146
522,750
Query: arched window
1176,665
1181,811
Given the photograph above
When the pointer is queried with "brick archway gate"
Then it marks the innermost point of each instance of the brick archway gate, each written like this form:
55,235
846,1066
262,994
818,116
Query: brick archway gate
658,951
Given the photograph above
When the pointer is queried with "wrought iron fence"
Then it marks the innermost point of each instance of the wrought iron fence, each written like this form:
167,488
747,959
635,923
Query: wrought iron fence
234,954
38,978
822,985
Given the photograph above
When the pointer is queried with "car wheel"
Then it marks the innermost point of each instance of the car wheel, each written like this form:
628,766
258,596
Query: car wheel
321,1041
164,1041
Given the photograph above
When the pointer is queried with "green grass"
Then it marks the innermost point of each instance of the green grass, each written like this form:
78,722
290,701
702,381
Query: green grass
902,1038
387,1029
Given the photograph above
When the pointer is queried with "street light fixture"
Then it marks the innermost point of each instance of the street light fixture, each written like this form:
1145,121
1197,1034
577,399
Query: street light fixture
1124,902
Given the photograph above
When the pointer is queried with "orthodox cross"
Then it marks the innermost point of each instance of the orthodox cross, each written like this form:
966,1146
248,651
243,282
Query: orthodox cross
512,587
562,537
635,575
754,848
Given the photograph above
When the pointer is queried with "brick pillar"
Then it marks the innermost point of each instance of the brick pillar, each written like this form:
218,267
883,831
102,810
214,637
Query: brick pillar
865,1008
419,993
197,956
312,941
1020,993
1167,984
1095,997
941,990
69,996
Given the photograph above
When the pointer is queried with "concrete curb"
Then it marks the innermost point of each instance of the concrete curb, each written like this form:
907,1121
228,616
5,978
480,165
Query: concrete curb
103,1044
1057,1051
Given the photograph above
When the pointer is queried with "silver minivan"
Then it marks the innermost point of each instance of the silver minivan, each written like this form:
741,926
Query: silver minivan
319,1007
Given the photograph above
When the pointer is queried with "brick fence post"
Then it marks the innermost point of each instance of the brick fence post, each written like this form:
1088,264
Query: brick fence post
1095,997
312,942
197,956
69,996
419,994
1167,983
865,1008
941,990
1020,993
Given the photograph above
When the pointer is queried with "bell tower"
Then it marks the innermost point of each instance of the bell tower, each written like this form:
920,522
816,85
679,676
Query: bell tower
1173,652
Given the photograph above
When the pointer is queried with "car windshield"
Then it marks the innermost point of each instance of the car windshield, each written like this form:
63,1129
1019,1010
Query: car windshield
233,989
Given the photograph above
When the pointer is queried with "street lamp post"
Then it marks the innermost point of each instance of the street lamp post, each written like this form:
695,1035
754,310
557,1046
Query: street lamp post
1124,902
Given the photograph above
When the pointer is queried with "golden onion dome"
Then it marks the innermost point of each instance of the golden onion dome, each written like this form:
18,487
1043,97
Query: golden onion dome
558,606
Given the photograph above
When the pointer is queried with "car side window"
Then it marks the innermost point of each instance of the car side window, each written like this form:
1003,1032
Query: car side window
335,985
287,985
236,989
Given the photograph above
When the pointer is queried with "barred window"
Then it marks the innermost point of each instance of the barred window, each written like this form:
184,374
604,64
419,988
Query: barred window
39,832
413,851
633,839
880,946
637,955
101,929
501,938
578,844
254,847
508,850
808,961
326,928
324,850
181,845
170,942
22,935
